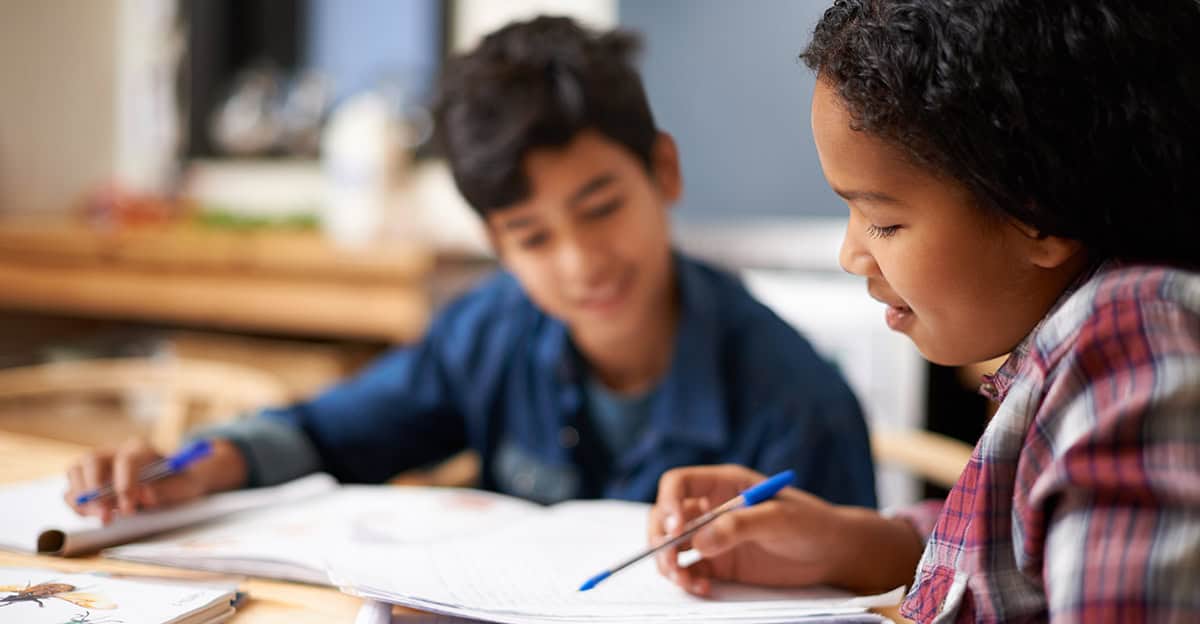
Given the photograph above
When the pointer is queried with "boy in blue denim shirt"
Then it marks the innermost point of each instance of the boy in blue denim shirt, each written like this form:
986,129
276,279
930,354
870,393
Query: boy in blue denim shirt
598,360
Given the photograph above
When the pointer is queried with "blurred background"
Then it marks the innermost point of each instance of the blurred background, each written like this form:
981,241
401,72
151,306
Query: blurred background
210,205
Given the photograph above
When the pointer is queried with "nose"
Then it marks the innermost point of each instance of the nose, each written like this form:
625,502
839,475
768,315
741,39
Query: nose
581,259
853,255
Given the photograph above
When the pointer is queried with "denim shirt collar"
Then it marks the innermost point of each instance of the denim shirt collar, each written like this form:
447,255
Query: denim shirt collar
688,405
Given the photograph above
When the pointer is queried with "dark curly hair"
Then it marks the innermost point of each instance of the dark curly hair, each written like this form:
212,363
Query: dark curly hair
537,84
1080,118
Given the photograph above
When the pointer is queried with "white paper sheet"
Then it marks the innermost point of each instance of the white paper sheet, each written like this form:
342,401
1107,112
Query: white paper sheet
531,571
36,519
293,541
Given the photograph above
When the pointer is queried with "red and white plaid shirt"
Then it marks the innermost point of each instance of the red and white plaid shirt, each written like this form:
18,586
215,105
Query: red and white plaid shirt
1081,502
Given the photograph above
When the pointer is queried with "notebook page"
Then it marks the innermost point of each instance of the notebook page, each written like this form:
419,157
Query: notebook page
48,525
534,569
293,542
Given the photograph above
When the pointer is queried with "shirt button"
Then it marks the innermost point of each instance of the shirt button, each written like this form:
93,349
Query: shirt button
568,437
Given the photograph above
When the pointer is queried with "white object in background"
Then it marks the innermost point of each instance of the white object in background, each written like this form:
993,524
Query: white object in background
271,189
473,19
441,215
362,158
845,325
148,120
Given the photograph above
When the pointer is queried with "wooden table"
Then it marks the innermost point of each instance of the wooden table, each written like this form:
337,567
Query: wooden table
26,457
274,281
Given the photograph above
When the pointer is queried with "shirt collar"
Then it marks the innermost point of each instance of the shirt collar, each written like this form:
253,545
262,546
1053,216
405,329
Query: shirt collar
996,386
689,404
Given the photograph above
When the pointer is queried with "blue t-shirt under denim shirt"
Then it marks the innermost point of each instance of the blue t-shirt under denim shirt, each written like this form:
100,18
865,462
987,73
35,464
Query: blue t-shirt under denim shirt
496,374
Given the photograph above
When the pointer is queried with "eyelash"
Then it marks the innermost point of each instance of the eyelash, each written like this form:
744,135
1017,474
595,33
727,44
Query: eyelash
598,212
603,210
875,231
533,241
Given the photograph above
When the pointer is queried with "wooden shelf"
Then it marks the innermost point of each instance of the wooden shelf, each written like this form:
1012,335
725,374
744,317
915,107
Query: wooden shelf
277,282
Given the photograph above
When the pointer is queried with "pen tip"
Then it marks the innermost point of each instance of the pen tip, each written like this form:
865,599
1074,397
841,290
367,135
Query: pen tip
594,581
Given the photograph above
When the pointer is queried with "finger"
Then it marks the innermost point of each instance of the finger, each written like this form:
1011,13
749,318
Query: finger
667,558
149,496
125,468
695,579
760,523
75,487
97,472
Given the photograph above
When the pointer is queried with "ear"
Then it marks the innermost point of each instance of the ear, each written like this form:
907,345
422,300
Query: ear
667,175
1044,251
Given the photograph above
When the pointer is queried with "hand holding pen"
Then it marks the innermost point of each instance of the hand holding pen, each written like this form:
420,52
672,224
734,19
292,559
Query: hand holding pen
792,539
135,476
748,497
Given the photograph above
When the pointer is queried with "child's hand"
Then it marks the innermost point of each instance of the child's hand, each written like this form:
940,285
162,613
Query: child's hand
792,540
786,541
120,468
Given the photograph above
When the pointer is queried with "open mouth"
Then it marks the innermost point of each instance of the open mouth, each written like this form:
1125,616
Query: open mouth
608,297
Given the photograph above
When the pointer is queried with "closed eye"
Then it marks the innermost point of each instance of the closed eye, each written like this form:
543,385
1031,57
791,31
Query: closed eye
603,210
534,240
876,231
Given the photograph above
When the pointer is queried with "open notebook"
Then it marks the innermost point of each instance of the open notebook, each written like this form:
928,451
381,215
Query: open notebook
458,552
33,596
40,521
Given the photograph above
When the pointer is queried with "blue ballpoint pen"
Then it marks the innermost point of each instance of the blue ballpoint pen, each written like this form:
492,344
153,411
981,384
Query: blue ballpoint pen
164,467
757,494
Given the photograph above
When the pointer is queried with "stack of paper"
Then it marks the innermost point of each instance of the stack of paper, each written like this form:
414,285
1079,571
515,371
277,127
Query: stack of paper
47,525
530,571
33,596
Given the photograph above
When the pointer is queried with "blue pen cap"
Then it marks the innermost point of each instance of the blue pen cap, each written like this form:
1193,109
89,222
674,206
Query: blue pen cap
768,488
190,453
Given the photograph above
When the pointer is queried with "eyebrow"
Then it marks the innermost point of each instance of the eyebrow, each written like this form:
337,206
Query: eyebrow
592,186
871,196
518,223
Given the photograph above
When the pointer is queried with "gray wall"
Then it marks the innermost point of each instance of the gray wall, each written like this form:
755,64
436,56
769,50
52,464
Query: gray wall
724,78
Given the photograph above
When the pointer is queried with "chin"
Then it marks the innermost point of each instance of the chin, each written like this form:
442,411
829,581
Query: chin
942,356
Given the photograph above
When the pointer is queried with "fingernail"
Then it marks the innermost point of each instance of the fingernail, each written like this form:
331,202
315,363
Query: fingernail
671,523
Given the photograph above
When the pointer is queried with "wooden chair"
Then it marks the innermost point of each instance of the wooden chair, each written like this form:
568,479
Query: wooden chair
930,456
183,391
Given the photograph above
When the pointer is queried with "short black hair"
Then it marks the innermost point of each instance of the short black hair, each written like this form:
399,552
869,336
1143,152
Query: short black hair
537,84
1080,118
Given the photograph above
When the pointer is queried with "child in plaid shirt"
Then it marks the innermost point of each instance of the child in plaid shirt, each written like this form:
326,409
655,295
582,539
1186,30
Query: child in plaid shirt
1018,174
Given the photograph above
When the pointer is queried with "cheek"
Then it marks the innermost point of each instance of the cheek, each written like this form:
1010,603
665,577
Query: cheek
537,278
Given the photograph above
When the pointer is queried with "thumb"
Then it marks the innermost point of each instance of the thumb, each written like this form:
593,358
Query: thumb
759,523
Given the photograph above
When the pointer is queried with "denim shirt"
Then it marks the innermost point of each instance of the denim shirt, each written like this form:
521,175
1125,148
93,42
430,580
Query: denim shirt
498,375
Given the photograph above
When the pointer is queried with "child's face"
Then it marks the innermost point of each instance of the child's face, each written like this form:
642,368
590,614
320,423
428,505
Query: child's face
963,284
591,243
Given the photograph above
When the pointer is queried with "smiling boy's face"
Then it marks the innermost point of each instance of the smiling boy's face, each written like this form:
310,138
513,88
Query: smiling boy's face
591,243
963,284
